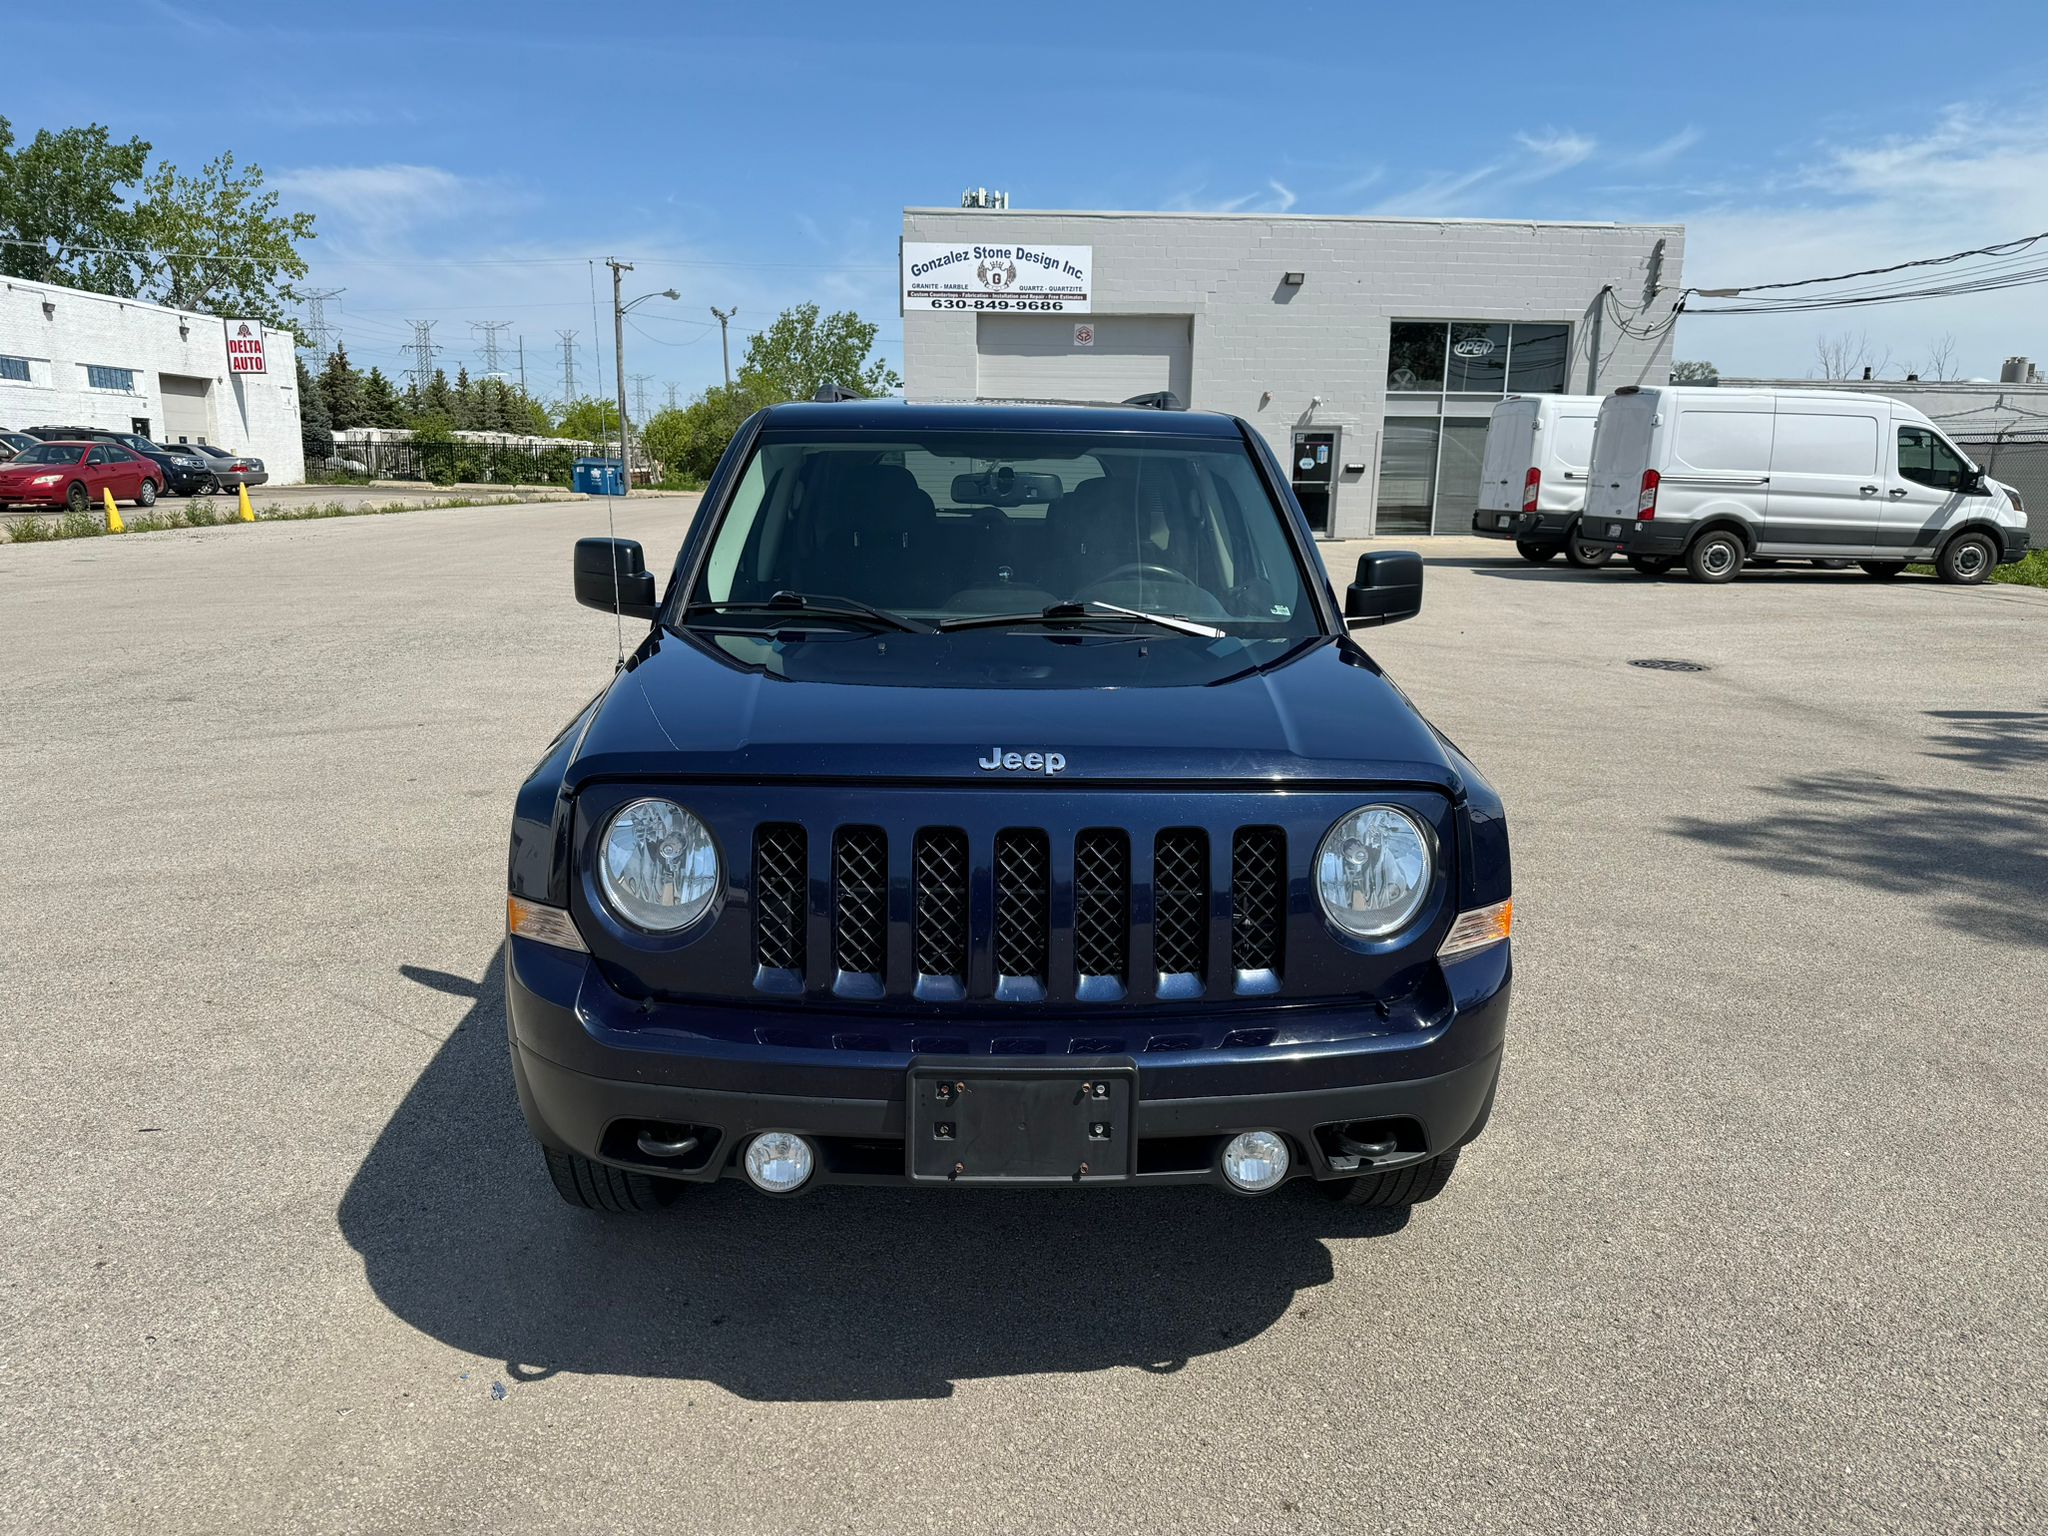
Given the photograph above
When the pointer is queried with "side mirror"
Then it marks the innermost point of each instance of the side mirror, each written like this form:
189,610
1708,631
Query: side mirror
1388,589
612,573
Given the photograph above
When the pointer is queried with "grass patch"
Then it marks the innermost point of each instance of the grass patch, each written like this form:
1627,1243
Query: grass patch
2030,572
203,513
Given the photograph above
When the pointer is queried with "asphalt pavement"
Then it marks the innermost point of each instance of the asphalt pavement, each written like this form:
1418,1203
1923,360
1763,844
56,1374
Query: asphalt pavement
1755,1240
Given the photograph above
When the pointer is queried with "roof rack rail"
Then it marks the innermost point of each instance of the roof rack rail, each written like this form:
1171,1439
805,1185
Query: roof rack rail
1158,400
832,394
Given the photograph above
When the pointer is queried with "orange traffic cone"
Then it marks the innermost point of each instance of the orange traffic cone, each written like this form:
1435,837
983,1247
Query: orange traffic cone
114,523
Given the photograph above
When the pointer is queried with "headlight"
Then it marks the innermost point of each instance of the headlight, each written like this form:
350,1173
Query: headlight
46,479
186,463
1373,870
657,866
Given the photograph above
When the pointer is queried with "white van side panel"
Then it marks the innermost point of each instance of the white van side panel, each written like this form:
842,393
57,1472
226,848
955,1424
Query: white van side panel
1827,478
1717,459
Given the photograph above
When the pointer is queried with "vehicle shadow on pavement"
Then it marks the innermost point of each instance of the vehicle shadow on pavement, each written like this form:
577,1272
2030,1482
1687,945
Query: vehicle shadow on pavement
849,1294
1976,864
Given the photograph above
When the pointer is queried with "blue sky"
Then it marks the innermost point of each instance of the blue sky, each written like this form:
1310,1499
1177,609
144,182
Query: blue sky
466,161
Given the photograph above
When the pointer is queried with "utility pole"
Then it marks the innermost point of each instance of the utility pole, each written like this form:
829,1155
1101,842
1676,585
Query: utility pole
522,365
423,350
490,329
568,366
318,330
640,383
619,270
724,349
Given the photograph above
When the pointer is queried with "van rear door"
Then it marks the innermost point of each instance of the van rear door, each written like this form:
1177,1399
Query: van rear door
1621,452
1565,455
1510,451
1827,478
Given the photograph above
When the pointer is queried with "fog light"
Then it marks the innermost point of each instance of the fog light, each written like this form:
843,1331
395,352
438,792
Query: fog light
1256,1161
780,1161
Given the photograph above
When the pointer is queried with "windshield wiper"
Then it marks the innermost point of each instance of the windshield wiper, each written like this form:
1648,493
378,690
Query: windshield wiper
1077,612
821,607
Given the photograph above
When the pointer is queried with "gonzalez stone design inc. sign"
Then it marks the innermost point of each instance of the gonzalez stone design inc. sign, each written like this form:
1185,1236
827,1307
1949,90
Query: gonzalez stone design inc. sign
1045,279
245,345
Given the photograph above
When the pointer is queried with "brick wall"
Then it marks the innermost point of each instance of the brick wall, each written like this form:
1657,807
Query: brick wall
1262,350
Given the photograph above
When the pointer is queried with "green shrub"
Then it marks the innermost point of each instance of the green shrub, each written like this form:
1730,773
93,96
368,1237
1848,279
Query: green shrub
201,513
80,525
32,530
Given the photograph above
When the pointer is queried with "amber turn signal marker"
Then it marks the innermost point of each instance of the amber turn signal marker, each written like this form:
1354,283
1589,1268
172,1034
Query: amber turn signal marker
547,925
1478,929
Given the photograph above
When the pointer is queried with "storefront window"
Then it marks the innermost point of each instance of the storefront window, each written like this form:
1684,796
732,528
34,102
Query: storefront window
1479,359
1407,474
1457,474
1415,357
1536,365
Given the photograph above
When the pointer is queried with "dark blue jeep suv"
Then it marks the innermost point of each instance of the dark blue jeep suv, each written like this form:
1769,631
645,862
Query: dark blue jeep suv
997,797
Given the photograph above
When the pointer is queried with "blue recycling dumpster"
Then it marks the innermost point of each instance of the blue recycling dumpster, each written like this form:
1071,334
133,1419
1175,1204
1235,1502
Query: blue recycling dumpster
599,477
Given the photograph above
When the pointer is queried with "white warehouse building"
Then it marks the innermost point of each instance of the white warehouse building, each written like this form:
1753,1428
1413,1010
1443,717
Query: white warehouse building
76,359
1369,351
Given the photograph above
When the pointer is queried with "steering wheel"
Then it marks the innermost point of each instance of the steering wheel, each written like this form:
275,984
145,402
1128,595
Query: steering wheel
1142,570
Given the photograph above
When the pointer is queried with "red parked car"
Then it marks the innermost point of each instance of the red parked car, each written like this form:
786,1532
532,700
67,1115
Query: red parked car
74,475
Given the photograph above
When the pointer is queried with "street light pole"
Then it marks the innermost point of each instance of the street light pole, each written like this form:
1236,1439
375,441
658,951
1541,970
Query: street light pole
724,348
619,268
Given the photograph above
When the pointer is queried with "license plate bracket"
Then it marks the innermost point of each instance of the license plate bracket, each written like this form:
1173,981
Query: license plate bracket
970,1122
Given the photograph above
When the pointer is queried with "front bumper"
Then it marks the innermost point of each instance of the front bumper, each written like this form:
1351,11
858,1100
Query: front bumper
185,481
2013,542
34,495
595,1069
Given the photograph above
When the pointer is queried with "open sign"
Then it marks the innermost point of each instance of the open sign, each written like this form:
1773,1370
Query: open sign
1473,346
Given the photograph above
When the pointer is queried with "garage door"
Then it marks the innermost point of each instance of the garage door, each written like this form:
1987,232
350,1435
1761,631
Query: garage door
186,418
1034,357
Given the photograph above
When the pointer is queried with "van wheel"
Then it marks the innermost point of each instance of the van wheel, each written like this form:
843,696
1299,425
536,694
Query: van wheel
1585,554
601,1187
1535,554
1883,570
1967,560
1715,556
1649,565
1406,1186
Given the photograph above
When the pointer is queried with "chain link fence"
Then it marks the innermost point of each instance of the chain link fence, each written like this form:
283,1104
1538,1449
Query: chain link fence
2020,459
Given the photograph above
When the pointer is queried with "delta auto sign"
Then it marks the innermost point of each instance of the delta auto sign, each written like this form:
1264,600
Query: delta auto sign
1015,277
245,345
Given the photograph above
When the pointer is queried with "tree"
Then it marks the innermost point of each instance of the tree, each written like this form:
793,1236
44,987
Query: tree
1846,356
342,387
315,436
592,419
63,210
799,352
1941,359
437,400
382,406
1694,373
463,411
690,441
216,242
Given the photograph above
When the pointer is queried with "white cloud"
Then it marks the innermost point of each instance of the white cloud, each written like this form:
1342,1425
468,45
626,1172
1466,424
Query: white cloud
1664,151
1539,157
1975,177
1552,153
1283,196
377,201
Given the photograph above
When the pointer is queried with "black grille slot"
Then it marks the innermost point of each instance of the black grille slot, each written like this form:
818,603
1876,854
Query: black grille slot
1023,870
939,926
1180,902
1258,898
1102,904
779,853
860,899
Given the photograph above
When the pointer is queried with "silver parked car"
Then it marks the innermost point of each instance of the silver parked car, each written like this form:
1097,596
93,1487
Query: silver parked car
12,443
229,469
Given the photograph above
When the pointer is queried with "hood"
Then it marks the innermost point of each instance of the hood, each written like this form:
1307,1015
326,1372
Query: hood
1114,708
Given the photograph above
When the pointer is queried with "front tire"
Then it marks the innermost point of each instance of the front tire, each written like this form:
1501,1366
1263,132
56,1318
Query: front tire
1649,565
1967,560
595,1186
76,498
1535,554
146,497
1404,1186
1715,556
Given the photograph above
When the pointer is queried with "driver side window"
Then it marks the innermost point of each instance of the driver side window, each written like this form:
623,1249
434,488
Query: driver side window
1926,460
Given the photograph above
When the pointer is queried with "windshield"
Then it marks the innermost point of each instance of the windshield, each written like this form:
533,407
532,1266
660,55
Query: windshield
50,453
943,526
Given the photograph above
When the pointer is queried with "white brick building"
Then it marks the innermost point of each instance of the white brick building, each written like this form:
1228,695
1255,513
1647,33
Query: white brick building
76,359
1373,347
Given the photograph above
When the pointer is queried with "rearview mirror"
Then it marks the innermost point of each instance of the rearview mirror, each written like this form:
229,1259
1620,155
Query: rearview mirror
612,573
1388,589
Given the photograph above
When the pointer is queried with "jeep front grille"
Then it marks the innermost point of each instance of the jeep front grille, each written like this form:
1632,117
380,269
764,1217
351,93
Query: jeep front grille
1084,919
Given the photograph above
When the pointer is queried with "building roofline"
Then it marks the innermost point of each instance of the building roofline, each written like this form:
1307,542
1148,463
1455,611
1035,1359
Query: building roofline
1289,218
33,285
1930,386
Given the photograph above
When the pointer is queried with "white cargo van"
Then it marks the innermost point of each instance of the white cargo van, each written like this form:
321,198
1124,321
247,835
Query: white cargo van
1716,477
1532,485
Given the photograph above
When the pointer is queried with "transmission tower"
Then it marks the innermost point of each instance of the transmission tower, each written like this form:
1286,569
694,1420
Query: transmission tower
568,365
423,350
493,366
318,331
640,383
671,395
